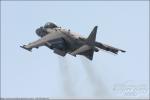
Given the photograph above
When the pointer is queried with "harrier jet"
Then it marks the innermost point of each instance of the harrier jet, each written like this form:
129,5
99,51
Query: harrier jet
63,41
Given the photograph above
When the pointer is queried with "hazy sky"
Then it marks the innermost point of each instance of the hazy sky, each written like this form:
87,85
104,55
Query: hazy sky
41,73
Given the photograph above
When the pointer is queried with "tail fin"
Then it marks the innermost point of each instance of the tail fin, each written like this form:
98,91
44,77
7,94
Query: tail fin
91,39
87,49
91,42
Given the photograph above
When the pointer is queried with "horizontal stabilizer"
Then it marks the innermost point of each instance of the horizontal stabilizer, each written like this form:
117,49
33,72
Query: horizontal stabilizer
88,54
81,49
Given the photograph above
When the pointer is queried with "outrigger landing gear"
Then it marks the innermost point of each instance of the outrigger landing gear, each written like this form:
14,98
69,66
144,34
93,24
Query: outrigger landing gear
29,49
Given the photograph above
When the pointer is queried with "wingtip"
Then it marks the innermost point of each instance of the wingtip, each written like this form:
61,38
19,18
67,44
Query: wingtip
29,49
123,51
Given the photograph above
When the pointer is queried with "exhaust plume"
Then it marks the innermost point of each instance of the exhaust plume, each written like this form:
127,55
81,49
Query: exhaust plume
66,78
99,89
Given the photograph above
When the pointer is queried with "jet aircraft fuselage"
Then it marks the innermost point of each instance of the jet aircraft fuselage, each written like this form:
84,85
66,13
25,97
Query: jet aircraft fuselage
63,41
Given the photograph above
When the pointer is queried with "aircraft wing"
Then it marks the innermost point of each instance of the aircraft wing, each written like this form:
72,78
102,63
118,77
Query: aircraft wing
108,48
42,41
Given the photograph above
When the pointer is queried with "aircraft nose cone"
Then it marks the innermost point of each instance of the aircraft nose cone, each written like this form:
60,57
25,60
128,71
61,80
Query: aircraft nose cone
40,32
37,31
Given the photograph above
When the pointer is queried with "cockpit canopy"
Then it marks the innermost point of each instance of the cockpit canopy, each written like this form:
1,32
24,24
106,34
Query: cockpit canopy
50,25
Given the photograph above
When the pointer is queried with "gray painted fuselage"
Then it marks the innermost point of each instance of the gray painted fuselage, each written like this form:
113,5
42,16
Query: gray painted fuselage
63,41
70,39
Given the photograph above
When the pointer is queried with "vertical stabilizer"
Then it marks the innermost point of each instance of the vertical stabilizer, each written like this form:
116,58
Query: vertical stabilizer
87,49
92,37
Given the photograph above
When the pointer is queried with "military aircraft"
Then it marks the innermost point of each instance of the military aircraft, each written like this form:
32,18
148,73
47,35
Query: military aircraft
64,41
